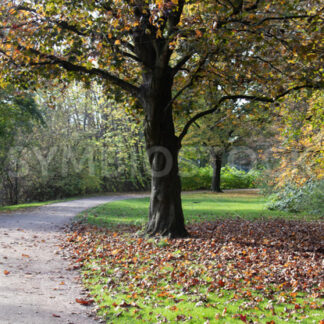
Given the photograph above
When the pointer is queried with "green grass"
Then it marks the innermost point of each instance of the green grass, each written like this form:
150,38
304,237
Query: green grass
197,207
10,208
117,274
199,306
26,205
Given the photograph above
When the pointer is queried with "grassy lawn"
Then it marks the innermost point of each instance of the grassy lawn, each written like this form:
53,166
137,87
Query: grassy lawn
197,207
243,263
12,208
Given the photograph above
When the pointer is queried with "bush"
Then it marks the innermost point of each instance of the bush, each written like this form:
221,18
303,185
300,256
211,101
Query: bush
197,178
308,197
60,187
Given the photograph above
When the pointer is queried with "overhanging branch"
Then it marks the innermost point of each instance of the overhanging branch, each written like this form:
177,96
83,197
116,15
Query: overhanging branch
52,60
244,97
95,71
181,63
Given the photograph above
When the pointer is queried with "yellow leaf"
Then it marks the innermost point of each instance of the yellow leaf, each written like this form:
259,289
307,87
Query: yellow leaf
159,34
117,42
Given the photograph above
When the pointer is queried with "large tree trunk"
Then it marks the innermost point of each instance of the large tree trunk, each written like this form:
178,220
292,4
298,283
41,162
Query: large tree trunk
165,213
217,166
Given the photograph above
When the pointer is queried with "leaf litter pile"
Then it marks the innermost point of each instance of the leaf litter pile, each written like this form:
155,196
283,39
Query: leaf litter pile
230,270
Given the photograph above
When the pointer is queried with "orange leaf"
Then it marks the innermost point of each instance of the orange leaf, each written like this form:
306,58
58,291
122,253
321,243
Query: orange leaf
198,33
84,301
6,272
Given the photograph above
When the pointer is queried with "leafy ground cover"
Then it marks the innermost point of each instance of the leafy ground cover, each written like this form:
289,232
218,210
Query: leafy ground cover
231,269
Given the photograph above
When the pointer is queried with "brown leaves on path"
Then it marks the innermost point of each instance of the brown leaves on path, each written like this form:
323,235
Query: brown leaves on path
85,302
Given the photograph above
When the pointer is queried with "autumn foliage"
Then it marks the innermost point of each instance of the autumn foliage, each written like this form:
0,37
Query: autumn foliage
260,261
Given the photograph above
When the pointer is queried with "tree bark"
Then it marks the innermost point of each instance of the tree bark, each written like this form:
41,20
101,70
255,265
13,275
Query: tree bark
217,166
165,212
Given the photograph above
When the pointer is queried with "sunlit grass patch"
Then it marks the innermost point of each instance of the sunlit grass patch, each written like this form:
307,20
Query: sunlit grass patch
26,206
197,207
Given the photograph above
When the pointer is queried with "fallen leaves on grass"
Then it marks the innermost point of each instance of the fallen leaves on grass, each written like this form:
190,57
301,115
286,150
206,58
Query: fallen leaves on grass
273,259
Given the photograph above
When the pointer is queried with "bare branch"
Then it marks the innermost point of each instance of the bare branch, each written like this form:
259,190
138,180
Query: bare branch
190,83
269,63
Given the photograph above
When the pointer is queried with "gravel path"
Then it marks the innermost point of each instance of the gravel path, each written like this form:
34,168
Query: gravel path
35,284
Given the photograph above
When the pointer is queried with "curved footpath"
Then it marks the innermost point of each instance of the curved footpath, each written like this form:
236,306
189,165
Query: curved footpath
35,285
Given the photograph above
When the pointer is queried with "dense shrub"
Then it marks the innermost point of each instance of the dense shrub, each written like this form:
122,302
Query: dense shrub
308,197
197,178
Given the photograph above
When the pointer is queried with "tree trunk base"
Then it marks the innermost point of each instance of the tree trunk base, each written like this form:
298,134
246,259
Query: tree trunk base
166,233
218,190
165,214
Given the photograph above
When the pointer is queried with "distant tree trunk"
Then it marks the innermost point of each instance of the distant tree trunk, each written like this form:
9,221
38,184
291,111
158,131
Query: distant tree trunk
16,187
216,157
165,212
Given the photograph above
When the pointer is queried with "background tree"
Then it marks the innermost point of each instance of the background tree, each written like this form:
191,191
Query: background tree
85,147
18,113
219,131
152,48
300,139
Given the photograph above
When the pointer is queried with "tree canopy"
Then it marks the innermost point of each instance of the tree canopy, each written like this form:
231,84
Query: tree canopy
251,48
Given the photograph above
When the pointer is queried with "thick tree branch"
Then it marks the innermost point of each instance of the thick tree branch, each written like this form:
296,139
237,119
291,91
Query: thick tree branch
52,59
244,97
95,71
190,83
181,63
174,18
